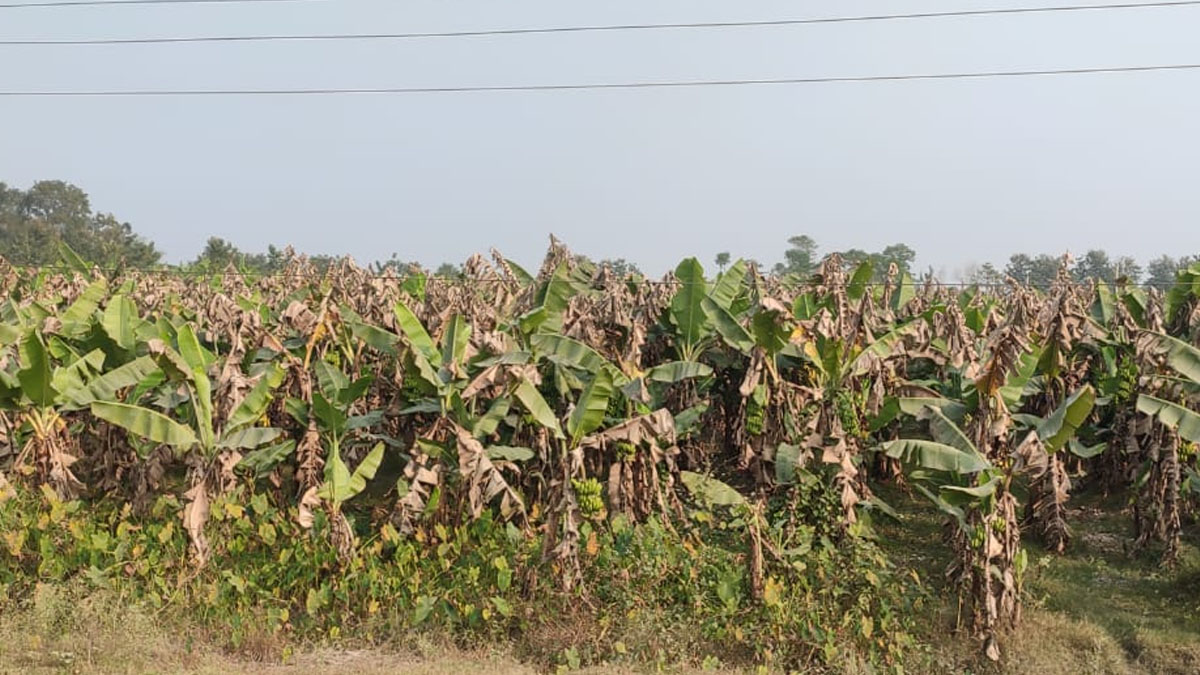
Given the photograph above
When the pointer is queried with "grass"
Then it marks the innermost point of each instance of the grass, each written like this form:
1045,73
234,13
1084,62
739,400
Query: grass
1096,609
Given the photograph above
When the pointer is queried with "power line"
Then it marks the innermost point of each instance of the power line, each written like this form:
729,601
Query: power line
602,85
583,29
114,3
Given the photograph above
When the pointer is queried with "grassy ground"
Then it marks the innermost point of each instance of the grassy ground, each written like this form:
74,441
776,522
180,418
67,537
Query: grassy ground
1096,609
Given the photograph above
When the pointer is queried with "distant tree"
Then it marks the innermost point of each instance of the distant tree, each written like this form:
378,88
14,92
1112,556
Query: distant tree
218,254
1160,272
1039,271
448,271
901,254
801,258
34,222
722,260
984,275
620,267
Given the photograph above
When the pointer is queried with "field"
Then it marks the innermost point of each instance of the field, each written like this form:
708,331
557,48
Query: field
562,469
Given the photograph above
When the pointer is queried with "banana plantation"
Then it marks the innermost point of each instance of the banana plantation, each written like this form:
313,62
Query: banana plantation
566,409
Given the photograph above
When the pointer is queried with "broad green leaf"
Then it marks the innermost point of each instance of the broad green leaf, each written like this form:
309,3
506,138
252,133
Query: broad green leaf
263,460
935,456
1085,451
145,423
330,379
1181,356
257,400
590,408
487,423
340,485
1104,305
860,281
728,285
120,322
78,317
1061,425
332,419
728,327
711,489
73,376
687,310
786,458
455,341
106,386
677,371
904,293
415,333
1184,422
377,338
945,431
35,375
247,438
568,351
532,399
769,330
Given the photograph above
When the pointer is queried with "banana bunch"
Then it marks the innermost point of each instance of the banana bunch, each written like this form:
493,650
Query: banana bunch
587,493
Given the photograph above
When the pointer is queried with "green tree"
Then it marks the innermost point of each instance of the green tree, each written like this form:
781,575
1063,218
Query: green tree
1038,271
1161,271
801,258
722,260
35,222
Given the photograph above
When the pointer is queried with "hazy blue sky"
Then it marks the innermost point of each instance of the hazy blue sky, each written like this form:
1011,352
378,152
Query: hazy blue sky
963,171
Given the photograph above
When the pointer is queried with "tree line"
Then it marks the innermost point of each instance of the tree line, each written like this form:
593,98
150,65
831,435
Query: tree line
36,224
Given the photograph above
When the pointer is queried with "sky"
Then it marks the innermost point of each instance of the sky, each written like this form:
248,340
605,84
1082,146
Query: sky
964,171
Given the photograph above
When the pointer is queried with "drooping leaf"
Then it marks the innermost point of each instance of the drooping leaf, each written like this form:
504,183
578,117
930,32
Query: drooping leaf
1061,425
78,317
1181,356
533,401
145,423
1182,421
263,460
677,371
106,386
257,400
935,456
728,285
487,423
710,489
728,327
247,438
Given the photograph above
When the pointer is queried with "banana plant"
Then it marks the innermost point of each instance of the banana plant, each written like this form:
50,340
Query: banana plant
974,488
213,446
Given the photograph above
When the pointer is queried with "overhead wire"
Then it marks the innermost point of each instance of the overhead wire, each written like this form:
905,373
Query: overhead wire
666,84
586,29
